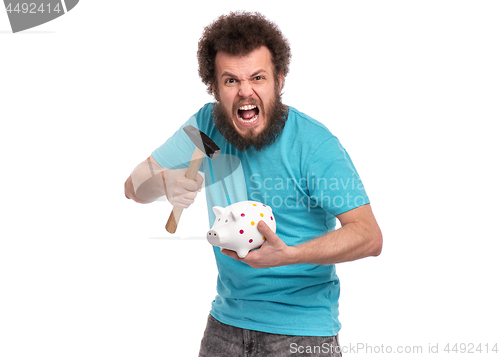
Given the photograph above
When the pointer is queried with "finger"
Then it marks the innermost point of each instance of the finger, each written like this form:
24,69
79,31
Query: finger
190,196
191,190
183,197
266,231
230,253
184,200
190,185
181,203
178,204
199,179
264,228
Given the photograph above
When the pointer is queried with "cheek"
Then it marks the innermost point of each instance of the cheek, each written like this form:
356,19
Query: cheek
266,95
228,101
227,95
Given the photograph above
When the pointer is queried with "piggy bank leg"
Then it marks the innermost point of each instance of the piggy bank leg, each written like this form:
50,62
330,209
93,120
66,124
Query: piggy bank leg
242,253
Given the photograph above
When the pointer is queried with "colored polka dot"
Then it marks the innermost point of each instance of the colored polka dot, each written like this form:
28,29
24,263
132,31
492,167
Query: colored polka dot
241,231
271,218
262,214
264,205
254,204
250,241
252,223
263,238
242,215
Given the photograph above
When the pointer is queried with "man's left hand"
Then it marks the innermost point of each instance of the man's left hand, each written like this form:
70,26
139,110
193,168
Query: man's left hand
272,253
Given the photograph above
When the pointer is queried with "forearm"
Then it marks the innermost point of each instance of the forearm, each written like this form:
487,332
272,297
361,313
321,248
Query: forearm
146,183
350,242
151,189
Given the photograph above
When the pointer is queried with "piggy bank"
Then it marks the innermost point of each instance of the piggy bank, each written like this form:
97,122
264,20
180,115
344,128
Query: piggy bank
235,226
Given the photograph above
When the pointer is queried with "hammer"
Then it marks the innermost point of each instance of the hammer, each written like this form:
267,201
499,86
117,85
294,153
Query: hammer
204,146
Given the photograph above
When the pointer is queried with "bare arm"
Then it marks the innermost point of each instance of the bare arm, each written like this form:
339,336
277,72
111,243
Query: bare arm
145,183
359,237
149,181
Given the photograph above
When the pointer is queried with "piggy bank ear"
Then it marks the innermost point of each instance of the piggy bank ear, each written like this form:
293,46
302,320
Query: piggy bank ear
217,210
235,216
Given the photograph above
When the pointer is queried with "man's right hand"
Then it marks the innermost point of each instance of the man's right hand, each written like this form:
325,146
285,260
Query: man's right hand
146,184
181,191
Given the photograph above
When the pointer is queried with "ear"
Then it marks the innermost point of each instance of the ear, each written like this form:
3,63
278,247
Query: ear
235,216
217,210
280,80
215,91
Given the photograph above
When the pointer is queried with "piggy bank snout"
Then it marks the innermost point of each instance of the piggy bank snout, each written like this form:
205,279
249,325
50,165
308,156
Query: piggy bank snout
213,237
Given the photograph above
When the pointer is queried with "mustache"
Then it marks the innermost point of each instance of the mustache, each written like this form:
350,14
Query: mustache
251,101
277,117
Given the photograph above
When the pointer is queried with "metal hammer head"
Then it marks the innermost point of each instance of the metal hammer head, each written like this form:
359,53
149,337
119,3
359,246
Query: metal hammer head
202,141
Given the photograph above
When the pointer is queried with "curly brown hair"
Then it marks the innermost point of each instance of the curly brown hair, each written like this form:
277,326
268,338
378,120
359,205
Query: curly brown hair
240,33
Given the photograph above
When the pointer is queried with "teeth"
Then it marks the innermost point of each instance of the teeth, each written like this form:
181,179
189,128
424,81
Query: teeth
253,120
247,107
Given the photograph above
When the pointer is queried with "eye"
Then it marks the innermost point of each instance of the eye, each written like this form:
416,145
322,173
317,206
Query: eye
218,220
230,82
259,78
226,221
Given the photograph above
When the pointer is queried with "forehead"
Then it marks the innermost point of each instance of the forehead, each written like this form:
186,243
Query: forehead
259,59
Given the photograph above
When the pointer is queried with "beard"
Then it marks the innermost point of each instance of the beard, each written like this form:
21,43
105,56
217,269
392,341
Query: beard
276,114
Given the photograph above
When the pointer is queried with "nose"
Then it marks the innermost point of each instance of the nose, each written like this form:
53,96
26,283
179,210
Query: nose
246,89
213,238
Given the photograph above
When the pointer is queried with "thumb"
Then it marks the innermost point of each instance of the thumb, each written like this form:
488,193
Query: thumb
199,179
265,230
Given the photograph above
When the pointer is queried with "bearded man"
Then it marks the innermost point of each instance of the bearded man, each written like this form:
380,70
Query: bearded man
281,299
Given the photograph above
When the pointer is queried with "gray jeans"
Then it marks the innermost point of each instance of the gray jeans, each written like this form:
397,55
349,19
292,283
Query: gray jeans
221,340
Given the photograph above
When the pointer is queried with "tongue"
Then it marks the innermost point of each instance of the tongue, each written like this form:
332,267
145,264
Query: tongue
247,114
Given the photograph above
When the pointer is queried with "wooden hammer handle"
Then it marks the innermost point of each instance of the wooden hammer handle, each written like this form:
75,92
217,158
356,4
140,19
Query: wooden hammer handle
191,173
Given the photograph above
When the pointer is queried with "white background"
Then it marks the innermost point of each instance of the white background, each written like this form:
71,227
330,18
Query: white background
411,88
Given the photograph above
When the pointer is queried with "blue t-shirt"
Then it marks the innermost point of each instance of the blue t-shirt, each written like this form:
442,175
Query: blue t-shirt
307,178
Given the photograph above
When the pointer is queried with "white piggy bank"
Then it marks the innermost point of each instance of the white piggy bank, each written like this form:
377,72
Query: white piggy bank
235,226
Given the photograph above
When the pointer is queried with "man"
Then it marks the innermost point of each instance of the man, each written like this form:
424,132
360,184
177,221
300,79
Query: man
281,299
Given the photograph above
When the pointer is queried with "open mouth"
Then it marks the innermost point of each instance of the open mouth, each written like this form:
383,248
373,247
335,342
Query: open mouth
248,114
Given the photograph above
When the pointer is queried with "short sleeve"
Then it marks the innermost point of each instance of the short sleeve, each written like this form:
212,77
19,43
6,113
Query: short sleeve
333,182
176,152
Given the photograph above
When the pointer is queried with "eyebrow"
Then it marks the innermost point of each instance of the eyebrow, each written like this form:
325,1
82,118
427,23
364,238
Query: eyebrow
228,74
258,72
